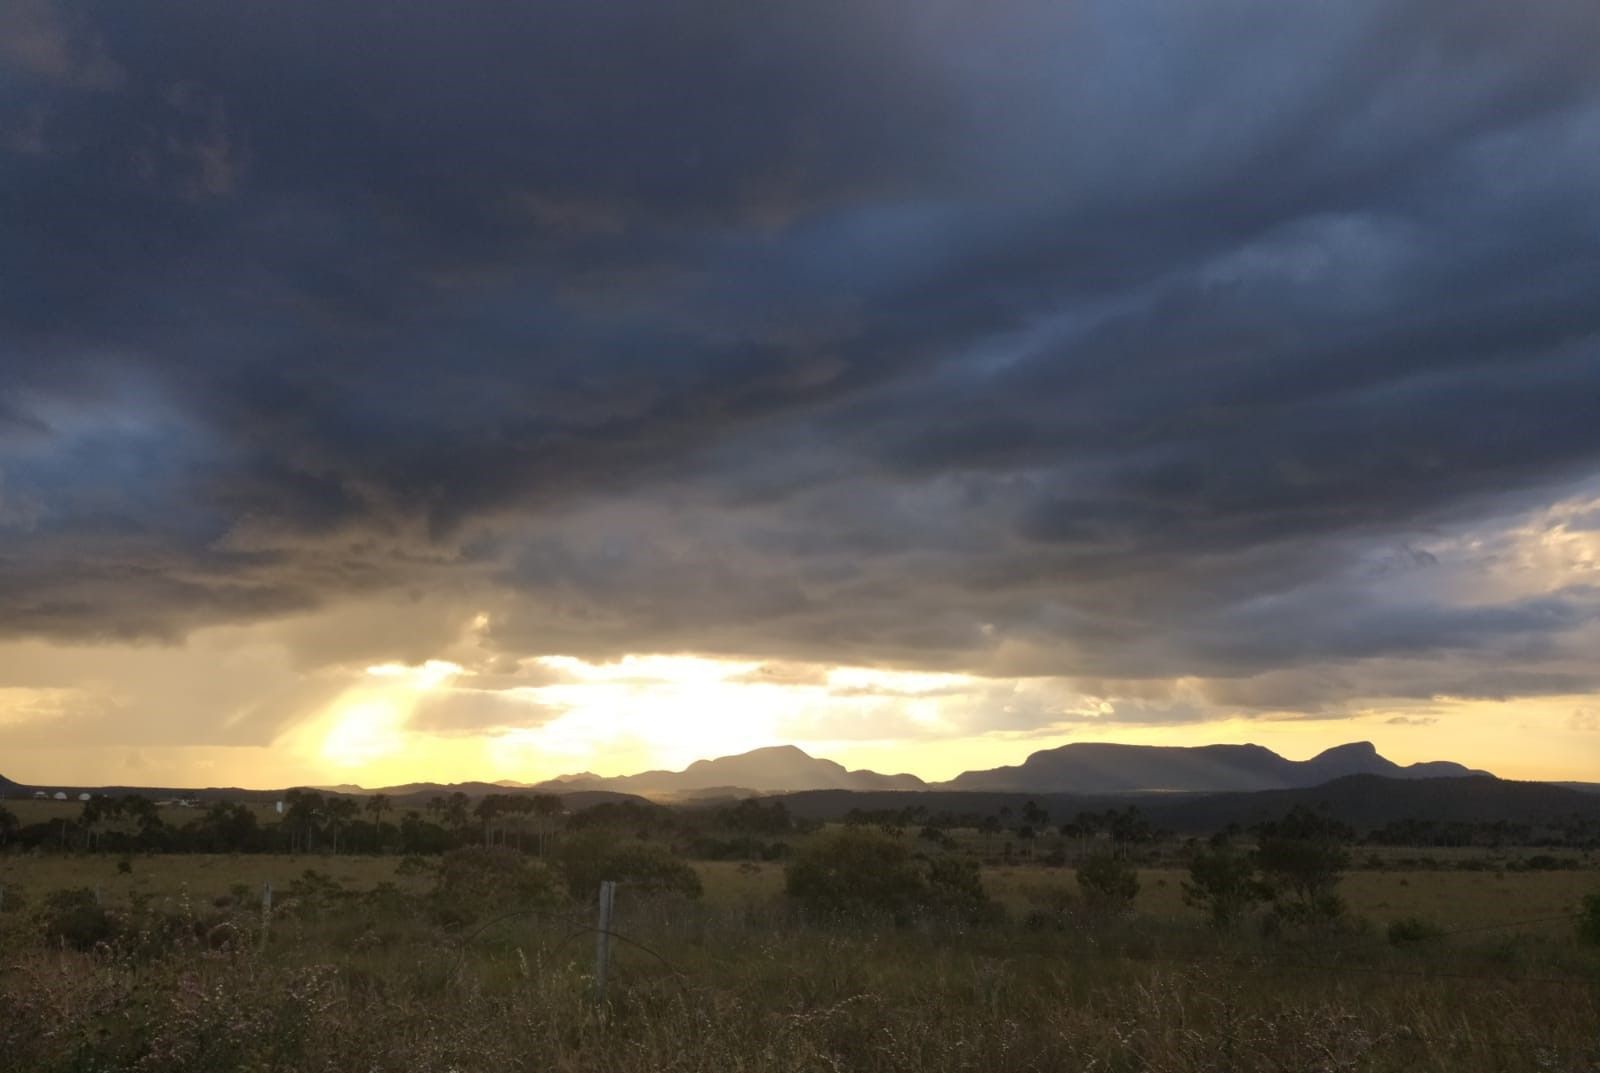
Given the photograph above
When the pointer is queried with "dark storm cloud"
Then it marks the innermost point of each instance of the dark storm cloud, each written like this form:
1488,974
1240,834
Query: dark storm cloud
1085,341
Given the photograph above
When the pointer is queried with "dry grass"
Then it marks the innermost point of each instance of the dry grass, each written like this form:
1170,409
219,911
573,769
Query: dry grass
1449,898
372,984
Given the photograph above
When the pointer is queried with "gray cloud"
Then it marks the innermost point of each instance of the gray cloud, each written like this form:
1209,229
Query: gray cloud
1036,343
459,711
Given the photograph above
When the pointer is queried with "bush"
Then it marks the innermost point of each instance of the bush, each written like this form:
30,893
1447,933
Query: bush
955,891
311,893
861,871
1409,930
1109,884
855,871
483,879
76,918
1052,906
1223,882
589,858
1589,920
1303,856
413,865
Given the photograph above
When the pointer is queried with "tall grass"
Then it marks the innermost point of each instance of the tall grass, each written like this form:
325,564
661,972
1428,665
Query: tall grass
371,982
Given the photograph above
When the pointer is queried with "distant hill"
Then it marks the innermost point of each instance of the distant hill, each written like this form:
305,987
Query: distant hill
1368,801
417,794
1083,768
1095,768
9,788
778,769
1079,768
1362,801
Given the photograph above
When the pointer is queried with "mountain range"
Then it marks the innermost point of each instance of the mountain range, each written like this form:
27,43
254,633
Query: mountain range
1099,768
778,769
1080,768
1077,768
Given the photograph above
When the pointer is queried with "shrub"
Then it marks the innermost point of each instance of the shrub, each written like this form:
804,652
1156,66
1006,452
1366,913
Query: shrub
1409,930
955,890
1052,906
1223,882
860,871
413,865
1303,856
1589,920
855,871
312,892
593,856
482,879
1109,883
75,917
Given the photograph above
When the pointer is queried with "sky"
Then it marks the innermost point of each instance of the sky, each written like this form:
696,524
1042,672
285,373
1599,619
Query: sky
490,391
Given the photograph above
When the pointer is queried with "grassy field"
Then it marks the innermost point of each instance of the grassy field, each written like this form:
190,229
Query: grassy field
363,973
1448,898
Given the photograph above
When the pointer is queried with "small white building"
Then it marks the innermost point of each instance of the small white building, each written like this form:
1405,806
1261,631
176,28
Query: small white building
60,795
84,797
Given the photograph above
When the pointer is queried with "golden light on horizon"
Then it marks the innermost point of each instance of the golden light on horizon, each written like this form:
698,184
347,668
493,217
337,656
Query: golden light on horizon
368,722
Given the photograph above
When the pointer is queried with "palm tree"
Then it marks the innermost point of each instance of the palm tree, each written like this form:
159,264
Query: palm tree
305,808
340,811
378,804
456,810
546,807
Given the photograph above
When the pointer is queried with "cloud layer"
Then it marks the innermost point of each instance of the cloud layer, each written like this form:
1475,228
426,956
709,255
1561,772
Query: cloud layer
1212,357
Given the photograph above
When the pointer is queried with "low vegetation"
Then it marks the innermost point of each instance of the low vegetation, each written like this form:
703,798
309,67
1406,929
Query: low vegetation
864,946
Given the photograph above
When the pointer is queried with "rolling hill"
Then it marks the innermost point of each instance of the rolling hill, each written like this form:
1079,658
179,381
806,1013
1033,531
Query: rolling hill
778,769
1095,768
1081,768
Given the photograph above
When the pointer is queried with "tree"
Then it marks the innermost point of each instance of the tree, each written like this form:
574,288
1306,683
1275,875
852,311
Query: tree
1109,883
1034,816
856,871
228,827
457,810
145,813
643,867
955,889
94,813
301,817
340,811
862,872
546,809
1129,827
1303,857
489,809
378,804
419,836
8,825
1223,882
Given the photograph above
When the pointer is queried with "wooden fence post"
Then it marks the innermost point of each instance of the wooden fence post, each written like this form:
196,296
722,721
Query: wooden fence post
602,940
